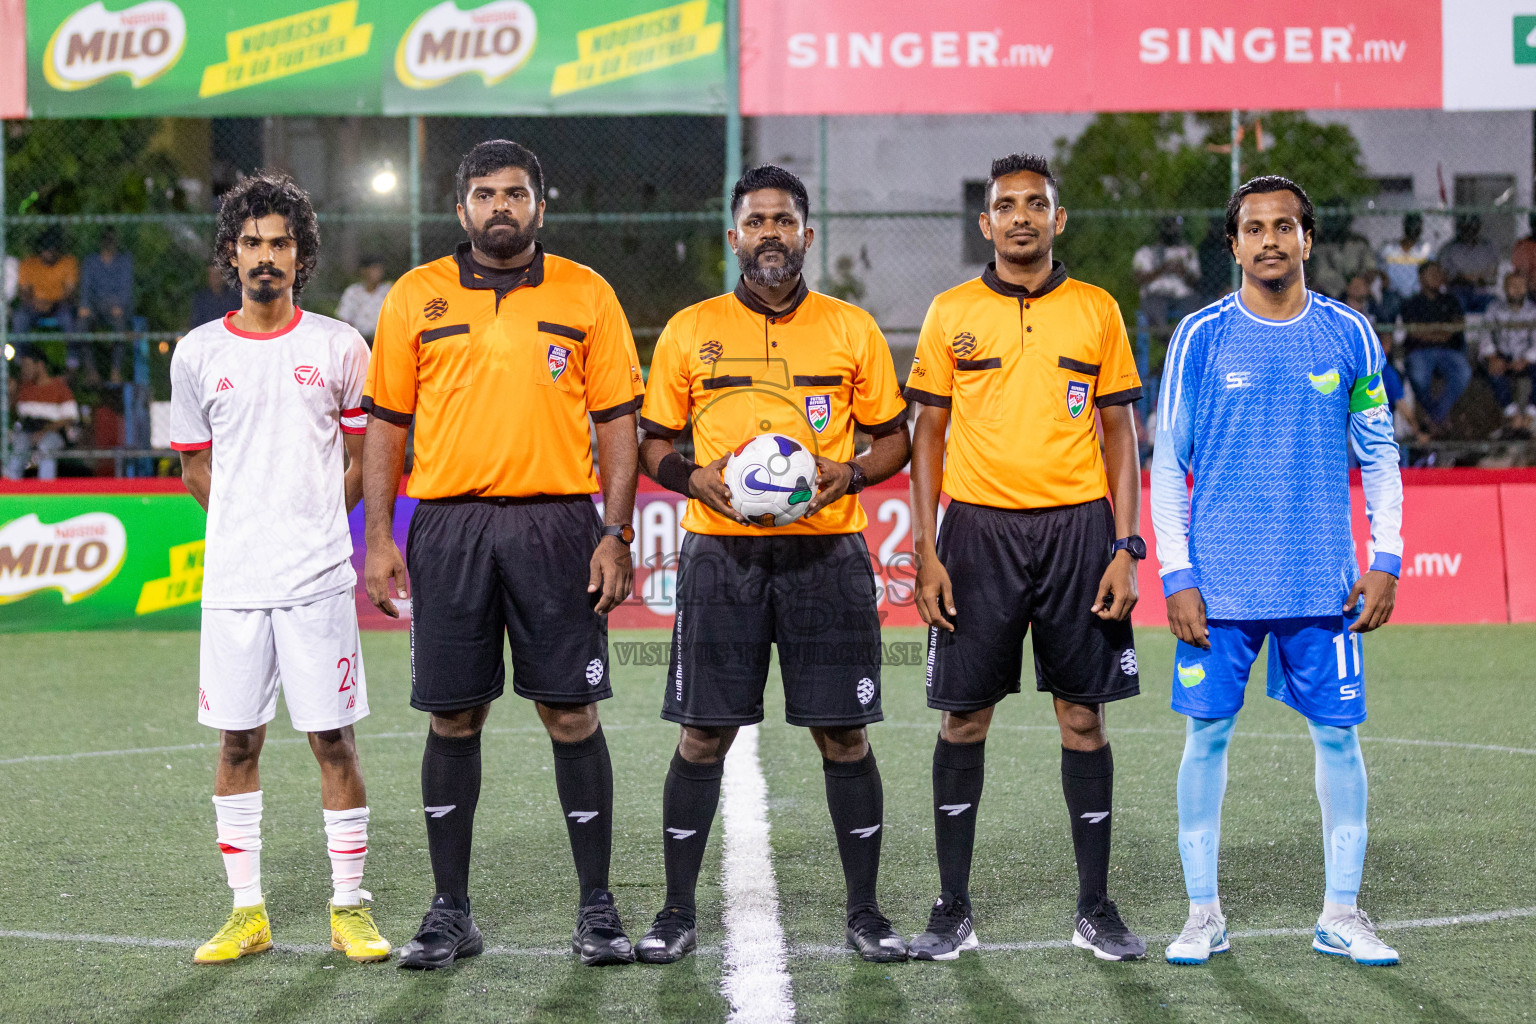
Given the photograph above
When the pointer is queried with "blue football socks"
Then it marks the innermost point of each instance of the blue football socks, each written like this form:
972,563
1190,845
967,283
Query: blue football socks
1341,791
1202,784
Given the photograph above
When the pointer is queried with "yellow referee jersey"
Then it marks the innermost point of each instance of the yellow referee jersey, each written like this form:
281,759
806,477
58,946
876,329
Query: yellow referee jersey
501,380
1021,373
813,372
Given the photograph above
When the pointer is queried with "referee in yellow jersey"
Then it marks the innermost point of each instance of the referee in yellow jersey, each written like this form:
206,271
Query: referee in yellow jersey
1013,367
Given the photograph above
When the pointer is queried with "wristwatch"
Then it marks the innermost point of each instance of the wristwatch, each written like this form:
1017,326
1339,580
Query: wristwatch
1134,544
858,481
625,533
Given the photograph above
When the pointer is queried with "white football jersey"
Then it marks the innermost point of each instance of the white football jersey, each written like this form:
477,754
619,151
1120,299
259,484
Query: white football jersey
273,408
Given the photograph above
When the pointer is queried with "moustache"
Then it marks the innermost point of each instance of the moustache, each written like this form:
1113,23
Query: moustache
265,269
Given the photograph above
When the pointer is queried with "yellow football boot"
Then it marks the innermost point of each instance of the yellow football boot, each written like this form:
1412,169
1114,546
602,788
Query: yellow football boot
245,933
354,933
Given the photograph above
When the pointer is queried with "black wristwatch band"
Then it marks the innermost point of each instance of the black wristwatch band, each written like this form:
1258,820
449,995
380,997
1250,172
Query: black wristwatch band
1133,544
859,481
624,532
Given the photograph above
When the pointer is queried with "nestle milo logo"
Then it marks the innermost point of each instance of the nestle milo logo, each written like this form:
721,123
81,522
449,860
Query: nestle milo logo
143,42
444,42
76,557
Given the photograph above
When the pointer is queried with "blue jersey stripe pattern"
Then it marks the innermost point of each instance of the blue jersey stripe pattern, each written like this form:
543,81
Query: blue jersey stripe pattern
1257,412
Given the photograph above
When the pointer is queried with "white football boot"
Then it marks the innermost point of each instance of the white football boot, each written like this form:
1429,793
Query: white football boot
1204,934
1355,937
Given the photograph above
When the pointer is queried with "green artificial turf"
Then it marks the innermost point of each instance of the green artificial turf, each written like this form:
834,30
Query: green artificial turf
122,846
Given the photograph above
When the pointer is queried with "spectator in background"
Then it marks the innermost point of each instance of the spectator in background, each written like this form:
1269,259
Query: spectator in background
1523,256
213,300
1215,263
361,301
1400,260
1167,273
1471,265
11,272
1433,319
1357,296
1508,350
1338,254
44,408
106,302
46,285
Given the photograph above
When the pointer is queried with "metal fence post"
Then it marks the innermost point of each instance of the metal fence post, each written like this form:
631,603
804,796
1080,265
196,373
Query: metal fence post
821,198
1236,179
732,128
414,187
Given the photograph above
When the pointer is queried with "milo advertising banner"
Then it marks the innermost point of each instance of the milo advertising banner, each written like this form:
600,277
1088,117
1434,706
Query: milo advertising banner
198,58
92,561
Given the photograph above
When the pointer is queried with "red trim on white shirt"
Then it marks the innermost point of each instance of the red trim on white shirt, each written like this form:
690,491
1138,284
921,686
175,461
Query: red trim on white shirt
353,430
298,314
195,446
353,412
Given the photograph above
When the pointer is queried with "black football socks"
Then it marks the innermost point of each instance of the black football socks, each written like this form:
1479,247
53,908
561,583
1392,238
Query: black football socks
450,789
1088,782
584,780
857,802
958,772
688,804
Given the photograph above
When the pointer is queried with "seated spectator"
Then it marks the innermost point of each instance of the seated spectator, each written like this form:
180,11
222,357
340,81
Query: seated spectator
1471,265
45,284
1167,273
45,408
1508,350
212,301
1434,342
361,301
106,301
1523,255
1338,254
1359,298
1400,260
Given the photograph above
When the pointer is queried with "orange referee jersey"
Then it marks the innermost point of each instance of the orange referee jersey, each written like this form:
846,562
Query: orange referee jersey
501,380
1021,373
813,372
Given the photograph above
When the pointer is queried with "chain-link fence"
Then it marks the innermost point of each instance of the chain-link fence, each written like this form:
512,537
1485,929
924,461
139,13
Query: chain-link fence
894,200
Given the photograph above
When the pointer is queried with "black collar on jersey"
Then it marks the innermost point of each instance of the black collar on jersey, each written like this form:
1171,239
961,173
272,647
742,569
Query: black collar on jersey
473,274
991,280
748,298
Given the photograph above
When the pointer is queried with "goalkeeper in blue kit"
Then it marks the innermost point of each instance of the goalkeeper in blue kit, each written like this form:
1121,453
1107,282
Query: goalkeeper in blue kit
1263,395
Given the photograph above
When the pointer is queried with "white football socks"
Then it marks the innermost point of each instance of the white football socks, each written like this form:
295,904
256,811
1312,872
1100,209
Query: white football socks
239,822
346,840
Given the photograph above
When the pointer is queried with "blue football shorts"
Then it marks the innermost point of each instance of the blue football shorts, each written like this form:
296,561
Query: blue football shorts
1316,665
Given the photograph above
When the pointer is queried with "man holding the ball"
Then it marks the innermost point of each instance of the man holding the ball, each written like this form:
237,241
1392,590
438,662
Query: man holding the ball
799,371
1011,369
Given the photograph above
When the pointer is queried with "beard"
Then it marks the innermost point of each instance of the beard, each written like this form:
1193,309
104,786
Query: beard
1024,254
264,289
770,277
502,245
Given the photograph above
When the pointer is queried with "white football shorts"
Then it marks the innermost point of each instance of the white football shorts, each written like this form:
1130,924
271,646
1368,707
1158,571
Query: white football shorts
310,651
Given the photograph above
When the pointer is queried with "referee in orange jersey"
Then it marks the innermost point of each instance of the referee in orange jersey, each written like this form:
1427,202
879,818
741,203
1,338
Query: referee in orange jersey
1013,366
502,353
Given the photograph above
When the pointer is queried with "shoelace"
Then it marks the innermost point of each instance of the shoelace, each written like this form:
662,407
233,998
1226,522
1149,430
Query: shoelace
601,917
1195,927
356,923
1106,912
237,925
672,921
869,921
444,919
1361,922
946,917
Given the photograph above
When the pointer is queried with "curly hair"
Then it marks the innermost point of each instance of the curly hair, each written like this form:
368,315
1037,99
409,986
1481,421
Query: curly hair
254,197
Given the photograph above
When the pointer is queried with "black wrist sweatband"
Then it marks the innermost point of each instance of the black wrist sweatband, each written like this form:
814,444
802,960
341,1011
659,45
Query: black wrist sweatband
674,473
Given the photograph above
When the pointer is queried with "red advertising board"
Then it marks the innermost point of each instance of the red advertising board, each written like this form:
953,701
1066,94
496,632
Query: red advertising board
1517,508
13,58
986,56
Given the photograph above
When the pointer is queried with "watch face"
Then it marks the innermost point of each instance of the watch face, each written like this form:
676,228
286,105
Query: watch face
625,533
1137,547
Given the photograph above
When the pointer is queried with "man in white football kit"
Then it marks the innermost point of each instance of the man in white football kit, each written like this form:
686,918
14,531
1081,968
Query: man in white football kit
266,413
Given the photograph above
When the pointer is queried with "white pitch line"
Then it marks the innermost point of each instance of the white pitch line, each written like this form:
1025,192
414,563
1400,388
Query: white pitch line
800,951
756,980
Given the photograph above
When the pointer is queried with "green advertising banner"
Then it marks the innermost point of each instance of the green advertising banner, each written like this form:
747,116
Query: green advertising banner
96,561
198,58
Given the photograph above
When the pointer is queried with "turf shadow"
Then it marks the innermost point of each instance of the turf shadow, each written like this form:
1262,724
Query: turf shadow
984,996
578,994
1257,1000
870,996
298,999
1416,1002
191,1000
1139,999
683,996
422,996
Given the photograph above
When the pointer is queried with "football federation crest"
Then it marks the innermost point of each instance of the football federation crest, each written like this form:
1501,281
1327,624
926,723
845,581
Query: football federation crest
558,359
818,411
710,351
1077,397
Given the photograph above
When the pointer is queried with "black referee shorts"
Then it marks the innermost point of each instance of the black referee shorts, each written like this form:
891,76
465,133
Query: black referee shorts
813,596
1011,569
481,568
